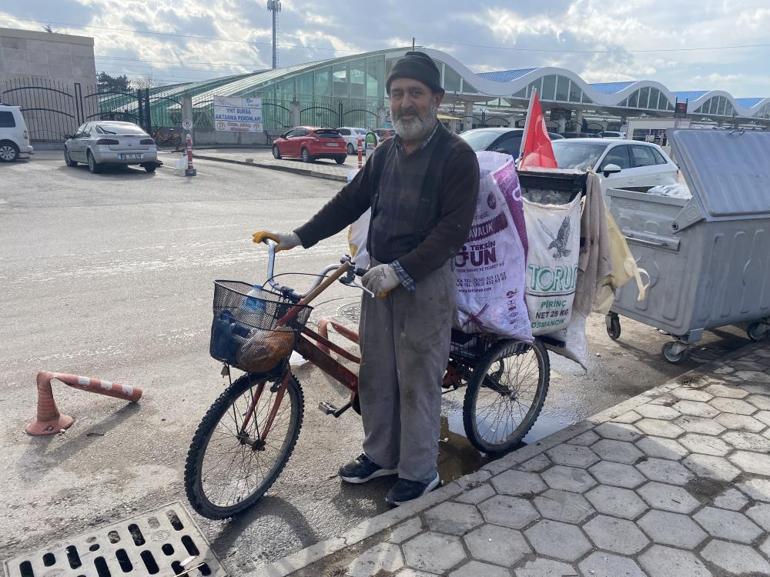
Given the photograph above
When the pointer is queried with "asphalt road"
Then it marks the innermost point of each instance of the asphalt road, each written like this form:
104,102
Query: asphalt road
111,276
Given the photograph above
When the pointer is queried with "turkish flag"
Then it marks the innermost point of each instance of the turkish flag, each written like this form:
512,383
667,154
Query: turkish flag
537,150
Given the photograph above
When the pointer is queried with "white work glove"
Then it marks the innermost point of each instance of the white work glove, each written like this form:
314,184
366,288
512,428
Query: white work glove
381,279
285,240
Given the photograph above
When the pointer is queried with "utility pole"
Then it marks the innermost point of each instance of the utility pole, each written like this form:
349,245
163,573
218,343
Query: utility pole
274,6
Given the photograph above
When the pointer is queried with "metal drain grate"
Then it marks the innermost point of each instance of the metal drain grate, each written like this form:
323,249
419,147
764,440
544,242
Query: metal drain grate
351,312
165,542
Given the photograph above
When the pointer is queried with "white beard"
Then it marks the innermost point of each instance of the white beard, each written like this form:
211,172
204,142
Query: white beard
416,128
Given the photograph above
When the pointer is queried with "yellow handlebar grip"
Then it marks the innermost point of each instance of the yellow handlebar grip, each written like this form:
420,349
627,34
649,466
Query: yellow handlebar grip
263,235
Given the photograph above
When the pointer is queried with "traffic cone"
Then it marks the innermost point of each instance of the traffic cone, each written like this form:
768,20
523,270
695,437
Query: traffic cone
49,421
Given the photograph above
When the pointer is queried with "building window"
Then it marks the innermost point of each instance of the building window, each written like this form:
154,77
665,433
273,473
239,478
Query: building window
536,85
521,93
322,83
574,92
549,87
451,79
655,101
375,78
721,109
340,80
468,88
644,97
305,86
633,100
358,79
562,89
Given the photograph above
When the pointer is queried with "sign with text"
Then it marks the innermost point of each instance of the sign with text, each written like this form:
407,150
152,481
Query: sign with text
237,114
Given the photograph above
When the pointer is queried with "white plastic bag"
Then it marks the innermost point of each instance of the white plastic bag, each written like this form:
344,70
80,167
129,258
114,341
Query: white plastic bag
358,233
490,266
553,231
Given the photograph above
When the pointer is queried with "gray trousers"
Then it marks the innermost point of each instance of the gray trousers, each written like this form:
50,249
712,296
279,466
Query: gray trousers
404,352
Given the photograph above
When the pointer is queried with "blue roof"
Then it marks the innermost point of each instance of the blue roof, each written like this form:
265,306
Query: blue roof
689,94
748,102
610,87
506,75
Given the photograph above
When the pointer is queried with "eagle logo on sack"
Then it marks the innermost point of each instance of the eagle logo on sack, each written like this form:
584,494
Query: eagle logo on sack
559,242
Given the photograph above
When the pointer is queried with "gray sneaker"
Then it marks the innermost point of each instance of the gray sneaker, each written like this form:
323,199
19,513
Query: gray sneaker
405,490
363,469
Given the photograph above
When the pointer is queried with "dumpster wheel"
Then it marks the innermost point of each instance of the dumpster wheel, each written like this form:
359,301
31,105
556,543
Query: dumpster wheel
612,320
757,330
675,352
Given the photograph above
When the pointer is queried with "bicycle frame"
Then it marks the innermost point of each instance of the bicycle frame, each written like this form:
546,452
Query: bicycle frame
316,347
317,354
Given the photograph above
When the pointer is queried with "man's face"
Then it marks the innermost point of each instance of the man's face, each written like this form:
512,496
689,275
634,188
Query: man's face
413,107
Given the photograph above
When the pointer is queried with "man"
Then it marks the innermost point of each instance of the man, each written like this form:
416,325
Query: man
422,187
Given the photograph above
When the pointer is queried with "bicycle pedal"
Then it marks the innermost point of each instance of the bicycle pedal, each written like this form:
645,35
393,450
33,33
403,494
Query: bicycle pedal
327,408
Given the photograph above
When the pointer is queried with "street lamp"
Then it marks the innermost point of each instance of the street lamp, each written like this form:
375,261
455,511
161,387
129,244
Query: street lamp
274,6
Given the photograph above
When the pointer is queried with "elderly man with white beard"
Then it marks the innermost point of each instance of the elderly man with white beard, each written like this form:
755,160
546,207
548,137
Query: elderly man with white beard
421,186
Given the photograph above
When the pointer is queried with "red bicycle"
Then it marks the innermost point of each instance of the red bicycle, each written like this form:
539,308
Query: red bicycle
248,434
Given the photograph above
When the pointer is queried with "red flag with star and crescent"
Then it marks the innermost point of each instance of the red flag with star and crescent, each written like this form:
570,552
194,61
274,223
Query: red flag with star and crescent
536,151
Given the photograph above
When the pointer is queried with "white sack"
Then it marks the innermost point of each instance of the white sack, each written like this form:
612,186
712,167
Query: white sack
553,231
490,266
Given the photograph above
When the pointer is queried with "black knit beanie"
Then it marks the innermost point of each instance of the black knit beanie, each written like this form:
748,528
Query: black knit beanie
418,66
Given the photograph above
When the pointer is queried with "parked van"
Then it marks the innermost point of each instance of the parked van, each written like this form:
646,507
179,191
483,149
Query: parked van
14,138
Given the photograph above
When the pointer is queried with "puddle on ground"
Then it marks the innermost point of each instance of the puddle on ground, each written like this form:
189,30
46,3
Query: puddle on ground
458,457
547,423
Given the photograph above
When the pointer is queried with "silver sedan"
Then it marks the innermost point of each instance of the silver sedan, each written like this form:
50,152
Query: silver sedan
103,142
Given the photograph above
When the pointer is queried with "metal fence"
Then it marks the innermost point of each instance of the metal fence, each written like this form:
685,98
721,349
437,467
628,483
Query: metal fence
53,109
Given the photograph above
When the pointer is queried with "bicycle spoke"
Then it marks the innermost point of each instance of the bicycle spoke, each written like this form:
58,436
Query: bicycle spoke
507,395
238,461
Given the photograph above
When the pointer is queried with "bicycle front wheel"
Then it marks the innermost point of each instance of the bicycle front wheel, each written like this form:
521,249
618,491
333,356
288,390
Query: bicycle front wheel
505,395
231,465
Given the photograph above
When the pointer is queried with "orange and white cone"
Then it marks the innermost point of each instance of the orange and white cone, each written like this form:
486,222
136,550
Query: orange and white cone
49,420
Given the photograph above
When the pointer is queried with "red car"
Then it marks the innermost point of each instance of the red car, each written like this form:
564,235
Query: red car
310,143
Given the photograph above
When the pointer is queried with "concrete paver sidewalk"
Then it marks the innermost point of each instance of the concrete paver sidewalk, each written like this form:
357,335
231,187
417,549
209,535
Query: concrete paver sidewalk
672,483
263,158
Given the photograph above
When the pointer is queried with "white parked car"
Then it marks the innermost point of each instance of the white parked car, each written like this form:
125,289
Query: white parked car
14,138
619,163
351,135
103,142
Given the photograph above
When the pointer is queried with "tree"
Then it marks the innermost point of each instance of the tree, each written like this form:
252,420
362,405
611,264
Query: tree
107,83
145,81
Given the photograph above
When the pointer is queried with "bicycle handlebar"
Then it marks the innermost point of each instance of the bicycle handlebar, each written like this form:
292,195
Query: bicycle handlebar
352,272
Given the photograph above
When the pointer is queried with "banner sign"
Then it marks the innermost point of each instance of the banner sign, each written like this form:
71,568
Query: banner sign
237,114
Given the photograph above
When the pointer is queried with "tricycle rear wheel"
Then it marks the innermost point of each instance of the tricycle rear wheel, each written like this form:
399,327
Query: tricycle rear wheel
505,395
227,471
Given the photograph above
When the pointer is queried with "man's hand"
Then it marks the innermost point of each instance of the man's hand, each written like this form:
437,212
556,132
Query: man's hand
381,280
285,240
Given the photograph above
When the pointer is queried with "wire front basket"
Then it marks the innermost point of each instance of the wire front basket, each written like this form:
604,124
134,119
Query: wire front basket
245,331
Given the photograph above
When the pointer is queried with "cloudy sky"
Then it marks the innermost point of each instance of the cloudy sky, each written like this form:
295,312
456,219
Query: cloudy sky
685,44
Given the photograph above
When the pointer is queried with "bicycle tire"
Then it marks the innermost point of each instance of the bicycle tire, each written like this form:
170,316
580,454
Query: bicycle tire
483,435
202,494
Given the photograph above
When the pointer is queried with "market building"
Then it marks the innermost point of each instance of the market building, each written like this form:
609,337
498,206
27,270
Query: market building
350,91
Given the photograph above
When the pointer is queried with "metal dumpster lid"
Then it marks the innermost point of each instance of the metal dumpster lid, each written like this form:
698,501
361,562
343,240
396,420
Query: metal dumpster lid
728,171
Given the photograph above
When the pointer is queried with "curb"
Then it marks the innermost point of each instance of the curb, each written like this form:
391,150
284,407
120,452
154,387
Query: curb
370,527
301,171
